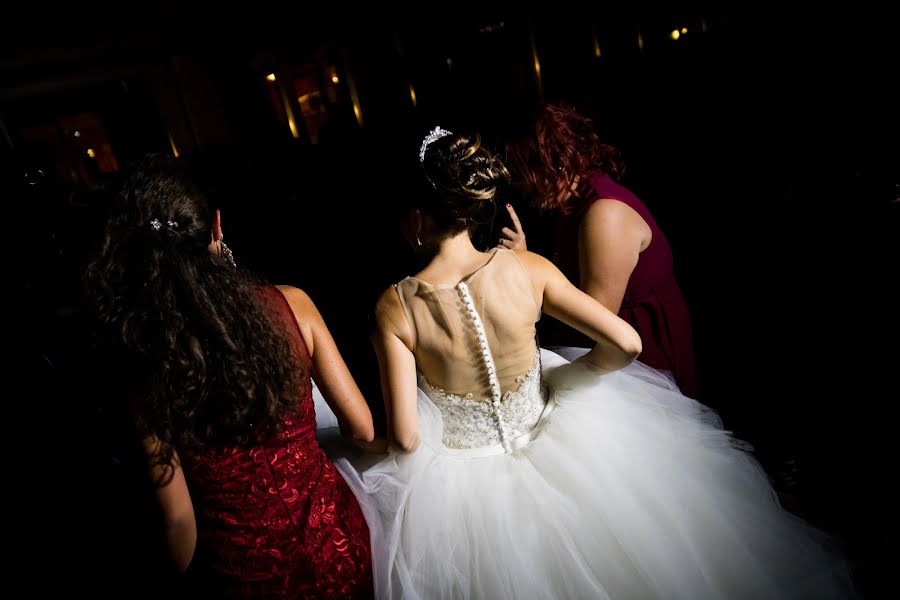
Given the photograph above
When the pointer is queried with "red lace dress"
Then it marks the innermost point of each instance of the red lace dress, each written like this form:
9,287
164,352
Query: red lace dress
276,520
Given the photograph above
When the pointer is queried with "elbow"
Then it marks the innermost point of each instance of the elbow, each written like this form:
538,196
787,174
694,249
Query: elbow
364,429
182,540
629,350
182,564
407,447
365,434
615,355
358,428
407,444
633,349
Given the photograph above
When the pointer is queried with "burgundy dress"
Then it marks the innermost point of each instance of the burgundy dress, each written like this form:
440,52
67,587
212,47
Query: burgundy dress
653,303
276,520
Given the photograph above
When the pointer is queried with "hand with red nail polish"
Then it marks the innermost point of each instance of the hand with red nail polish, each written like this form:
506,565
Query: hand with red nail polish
513,239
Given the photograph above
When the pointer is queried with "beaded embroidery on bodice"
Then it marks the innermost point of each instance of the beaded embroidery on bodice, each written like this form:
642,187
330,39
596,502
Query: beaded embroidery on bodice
471,422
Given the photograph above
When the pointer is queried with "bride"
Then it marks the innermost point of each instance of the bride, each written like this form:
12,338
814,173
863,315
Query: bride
514,473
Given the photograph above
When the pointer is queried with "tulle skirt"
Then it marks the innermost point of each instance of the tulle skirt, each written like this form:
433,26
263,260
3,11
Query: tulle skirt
627,490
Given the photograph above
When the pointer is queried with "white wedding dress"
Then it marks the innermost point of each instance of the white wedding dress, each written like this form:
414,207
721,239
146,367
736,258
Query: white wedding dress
540,478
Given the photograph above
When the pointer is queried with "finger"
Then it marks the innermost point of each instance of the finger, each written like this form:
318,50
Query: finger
505,243
510,233
515,218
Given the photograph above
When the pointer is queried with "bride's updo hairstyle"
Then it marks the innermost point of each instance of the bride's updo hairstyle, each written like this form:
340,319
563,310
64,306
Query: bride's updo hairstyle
464,178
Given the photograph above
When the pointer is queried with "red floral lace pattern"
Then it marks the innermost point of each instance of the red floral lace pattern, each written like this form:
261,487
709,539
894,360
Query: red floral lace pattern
277,519
281,519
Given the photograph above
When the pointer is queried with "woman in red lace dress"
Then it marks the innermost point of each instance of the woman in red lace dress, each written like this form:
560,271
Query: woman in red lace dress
219,369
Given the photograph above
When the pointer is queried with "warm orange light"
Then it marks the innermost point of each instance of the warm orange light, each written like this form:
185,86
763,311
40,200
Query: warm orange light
270,77
173,146
335,79
675,34
683,30
91,153
354,98
412,94
640,42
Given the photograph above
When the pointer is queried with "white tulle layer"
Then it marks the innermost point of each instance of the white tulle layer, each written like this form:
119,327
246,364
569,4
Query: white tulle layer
629,490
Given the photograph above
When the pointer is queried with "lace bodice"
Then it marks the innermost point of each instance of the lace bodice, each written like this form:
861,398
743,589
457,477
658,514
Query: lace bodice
476,353
485,416
473,423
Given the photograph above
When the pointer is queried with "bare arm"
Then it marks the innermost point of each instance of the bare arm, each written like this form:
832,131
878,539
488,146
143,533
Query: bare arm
393,342
617,343
175,502
610,241
329,371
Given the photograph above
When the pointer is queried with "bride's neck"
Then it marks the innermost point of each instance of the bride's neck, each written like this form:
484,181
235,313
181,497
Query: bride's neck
456,249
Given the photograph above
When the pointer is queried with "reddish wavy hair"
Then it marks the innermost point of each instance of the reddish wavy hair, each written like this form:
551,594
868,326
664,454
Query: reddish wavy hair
559,145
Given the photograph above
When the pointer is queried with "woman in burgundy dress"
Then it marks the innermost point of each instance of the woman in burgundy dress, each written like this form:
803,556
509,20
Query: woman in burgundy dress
218,370
606,241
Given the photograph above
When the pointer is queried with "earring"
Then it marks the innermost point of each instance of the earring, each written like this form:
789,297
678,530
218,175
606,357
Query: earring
227,253
418,241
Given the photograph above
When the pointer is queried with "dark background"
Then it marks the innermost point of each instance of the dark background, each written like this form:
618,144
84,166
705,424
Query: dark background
764,140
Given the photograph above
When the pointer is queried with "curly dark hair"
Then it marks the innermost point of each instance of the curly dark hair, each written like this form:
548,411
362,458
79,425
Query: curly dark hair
558,145
205,360
464,178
